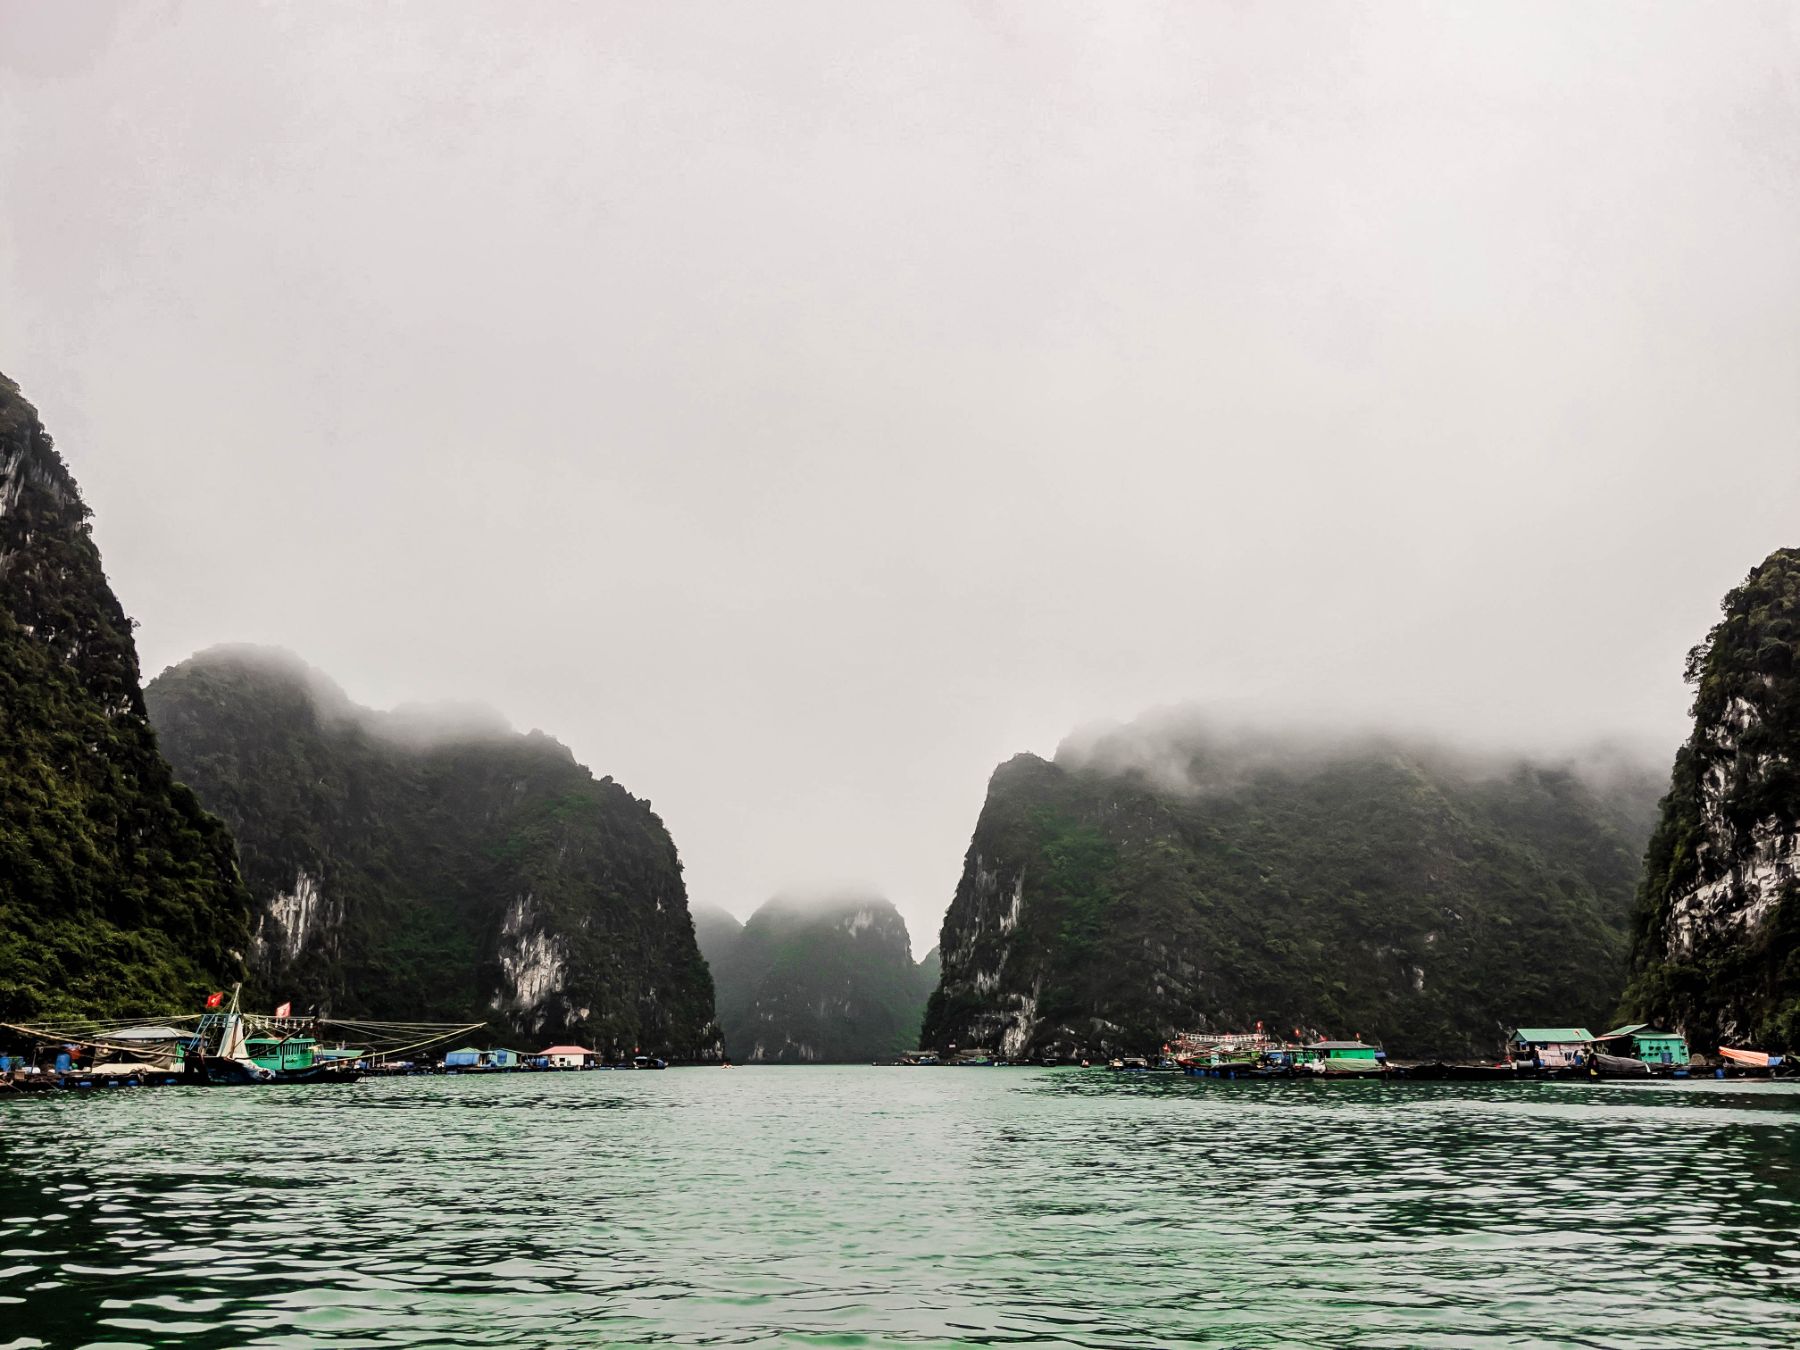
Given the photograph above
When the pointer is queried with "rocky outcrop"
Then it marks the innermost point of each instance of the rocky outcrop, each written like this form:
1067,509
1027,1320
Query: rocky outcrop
1718,943
420,868
118,894
1168,878
819,981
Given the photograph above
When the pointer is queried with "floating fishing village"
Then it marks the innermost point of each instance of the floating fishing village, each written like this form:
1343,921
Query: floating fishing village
1636,1051
226,1046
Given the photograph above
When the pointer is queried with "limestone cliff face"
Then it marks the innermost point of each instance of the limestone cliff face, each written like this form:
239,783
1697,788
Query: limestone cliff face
1718,946
1111,899
118,894
820,982
410,867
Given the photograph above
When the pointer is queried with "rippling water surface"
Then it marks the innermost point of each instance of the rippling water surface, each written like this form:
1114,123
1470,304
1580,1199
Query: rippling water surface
902,1207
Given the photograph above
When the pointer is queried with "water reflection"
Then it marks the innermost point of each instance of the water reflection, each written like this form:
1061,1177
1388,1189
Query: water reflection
902,1207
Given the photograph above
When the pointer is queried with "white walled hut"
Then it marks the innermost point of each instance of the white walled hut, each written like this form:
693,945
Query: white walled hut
568,1057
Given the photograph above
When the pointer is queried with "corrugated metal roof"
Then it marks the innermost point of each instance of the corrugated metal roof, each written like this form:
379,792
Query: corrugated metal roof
1552,1034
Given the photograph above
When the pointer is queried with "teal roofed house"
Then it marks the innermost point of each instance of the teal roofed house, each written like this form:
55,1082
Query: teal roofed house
1550,1047
1642,1041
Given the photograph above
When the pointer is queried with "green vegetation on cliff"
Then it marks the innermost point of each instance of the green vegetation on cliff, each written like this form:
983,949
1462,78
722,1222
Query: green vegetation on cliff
816,982
1176,879
1717,950
118,894
415,865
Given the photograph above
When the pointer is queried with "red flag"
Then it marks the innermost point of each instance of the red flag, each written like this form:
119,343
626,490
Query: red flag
214,1000
284,1010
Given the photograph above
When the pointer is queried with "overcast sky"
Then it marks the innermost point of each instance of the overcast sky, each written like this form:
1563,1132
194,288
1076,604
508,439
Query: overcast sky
798,409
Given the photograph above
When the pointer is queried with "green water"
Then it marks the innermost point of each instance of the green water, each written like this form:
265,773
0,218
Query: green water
902,1207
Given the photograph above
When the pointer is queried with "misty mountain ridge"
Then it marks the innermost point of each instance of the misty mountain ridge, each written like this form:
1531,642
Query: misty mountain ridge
418,725
1175,874
1193,749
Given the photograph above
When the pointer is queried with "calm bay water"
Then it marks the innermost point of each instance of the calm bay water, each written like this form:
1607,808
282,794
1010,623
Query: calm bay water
902,1207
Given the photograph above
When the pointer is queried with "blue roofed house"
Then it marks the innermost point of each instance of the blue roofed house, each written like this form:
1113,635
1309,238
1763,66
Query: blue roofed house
471,1058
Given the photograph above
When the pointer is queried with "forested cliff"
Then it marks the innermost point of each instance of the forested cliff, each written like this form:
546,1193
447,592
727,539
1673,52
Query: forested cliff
1168,878
118,893
422,865
1718,940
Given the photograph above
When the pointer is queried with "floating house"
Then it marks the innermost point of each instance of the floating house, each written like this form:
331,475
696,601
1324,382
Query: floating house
1642,1041
567,1057
471,1058
1551,1047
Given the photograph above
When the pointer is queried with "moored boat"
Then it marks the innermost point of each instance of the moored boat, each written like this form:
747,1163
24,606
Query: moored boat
227,1047
1343,1059
1750,1059
1601,1065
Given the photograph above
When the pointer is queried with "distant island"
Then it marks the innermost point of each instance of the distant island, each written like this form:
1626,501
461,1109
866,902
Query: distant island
821,980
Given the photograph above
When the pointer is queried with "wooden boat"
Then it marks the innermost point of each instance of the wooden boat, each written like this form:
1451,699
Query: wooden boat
1436,1071
1333,1066
1750,1059
1616,1066
1485,1073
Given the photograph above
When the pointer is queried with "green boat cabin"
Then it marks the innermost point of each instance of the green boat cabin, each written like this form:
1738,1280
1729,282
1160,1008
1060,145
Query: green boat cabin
281,1052
1328,1050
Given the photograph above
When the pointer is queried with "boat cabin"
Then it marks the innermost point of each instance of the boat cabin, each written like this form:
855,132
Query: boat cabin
281,1052
1642,1041
1315,1052
1550,1047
